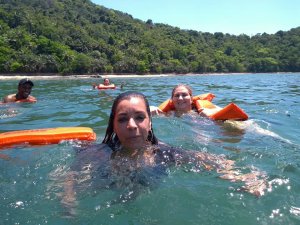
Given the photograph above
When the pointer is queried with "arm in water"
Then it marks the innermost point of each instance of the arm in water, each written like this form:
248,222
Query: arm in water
254,181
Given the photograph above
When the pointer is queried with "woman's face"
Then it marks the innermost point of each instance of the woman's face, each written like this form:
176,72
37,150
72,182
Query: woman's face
132,123
106,82
182,100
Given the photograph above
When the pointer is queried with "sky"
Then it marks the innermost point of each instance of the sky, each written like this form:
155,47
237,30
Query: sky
227,16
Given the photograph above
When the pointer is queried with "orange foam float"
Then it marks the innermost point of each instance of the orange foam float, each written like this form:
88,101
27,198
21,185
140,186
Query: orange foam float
105,87
229,112
46,136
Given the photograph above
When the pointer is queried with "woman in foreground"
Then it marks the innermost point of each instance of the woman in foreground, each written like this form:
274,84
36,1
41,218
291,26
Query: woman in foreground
131,158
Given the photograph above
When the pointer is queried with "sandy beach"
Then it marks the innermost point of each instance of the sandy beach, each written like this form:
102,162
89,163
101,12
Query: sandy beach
48,77
101,76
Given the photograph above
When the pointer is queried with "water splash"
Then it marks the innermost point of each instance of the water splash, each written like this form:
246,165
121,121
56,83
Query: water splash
8,113
295,211
253,126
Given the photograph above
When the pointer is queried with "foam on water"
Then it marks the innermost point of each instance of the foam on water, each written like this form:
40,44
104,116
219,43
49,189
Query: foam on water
253,126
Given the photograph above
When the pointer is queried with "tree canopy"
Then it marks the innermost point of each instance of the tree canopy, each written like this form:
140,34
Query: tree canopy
80,37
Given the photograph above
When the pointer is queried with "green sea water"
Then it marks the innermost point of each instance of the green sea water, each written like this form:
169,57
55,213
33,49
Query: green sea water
30,185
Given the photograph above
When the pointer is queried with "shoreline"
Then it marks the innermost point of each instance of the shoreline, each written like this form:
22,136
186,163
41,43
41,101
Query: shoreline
89,76
72,76
45,77
101,76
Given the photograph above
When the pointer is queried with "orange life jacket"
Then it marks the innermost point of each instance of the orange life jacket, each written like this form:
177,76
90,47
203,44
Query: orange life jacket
46,136
103,87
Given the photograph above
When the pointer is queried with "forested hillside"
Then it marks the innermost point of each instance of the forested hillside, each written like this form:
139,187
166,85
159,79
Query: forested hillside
79,37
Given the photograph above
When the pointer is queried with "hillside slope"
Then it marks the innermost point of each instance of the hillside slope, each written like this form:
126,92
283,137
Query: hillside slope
77,36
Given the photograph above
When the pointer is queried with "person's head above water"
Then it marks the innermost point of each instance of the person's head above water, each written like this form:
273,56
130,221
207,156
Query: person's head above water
130,125
23,94
106,81
24,88
182,98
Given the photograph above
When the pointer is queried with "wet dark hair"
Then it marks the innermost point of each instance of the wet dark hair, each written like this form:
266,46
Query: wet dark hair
111,138
25,81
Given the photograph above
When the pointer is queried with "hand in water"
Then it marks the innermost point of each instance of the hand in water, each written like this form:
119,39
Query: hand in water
255,182
155,111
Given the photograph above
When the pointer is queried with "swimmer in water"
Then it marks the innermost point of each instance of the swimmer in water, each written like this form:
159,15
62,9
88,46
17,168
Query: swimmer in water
23,94
131,157
105,85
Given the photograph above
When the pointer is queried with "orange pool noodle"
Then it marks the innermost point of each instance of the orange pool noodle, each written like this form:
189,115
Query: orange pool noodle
230,112
46,136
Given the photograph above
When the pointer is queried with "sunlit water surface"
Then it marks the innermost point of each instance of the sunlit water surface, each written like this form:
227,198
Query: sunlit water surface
30,185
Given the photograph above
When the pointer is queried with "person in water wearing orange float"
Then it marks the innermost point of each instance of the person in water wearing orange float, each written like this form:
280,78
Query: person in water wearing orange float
182,100
23,94
105,85
131,157
106,82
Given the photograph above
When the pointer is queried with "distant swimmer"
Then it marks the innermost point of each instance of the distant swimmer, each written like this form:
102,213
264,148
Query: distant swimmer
23,94
106,85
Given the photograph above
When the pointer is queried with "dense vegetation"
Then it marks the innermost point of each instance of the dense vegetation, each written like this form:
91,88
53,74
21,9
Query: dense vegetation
77,36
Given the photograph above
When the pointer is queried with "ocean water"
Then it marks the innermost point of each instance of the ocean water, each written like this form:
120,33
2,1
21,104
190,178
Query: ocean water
30,176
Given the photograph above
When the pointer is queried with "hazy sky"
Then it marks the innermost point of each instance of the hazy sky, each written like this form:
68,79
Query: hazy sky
227,16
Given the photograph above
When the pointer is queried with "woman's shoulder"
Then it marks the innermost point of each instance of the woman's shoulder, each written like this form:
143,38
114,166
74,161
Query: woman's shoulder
92,154
92,147
167,151
175,154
